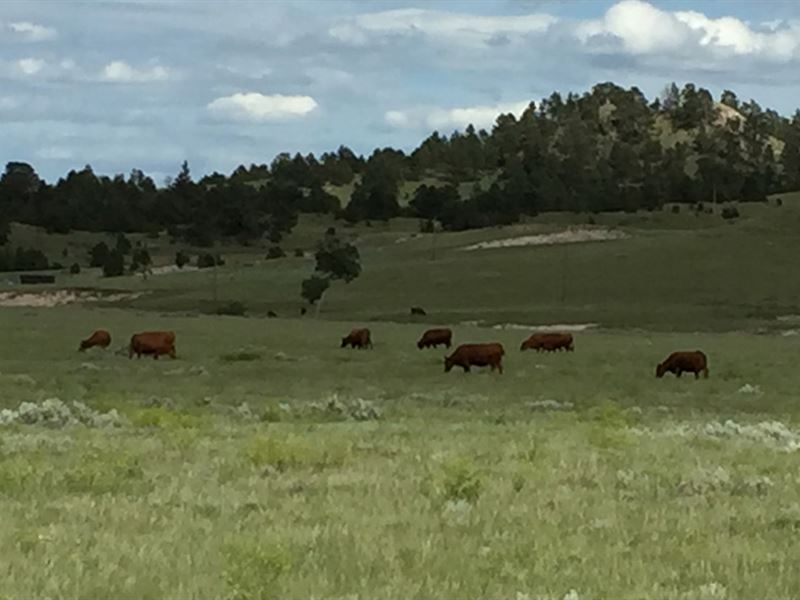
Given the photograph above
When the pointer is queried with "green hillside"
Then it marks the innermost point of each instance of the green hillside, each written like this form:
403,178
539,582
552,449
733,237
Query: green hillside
681,271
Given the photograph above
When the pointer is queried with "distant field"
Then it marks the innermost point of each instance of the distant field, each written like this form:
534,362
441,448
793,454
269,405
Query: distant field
678,272
574,475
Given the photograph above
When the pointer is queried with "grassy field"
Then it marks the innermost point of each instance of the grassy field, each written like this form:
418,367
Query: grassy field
266,462
674,272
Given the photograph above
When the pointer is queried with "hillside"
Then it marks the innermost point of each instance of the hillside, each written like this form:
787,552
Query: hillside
671,271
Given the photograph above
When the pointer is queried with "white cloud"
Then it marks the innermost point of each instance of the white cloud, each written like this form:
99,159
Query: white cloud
643,29
257,107
32,32
444,119
30,66
122,72
462,28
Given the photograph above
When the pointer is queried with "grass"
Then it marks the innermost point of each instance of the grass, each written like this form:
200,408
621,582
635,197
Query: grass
460,489
267,462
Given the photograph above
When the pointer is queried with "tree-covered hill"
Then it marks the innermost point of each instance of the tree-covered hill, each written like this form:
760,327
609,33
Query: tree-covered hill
609,149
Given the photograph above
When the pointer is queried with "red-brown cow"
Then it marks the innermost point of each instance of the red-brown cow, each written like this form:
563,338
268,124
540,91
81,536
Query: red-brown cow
152,342
357,338
479,355
434,337
549,342
678,362
100,338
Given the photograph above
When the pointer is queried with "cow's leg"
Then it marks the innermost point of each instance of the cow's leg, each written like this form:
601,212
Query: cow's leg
697,375
466,368
678,373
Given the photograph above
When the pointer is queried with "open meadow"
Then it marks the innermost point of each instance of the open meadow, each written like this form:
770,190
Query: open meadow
268,462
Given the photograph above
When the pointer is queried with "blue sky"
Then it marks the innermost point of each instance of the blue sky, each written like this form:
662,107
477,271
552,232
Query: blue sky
129,84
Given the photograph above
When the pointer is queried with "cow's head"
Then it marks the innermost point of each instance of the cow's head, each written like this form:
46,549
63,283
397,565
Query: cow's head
660,370
344,342
419,344
448,364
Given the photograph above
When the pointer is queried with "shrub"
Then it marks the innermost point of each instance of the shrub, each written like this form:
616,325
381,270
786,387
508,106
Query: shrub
676,209
730,212
778,202
298,252
123,245
275,252
75,269
462,482
98,255
114,266
205,261
55,413
181,259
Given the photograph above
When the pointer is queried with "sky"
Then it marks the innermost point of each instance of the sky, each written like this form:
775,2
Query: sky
133,84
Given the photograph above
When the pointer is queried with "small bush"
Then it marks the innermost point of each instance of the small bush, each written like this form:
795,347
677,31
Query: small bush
114,265
181,259
730,212
206,261
56,414
778,202
232,309
676,209
462,482
75,269
275,252
298,253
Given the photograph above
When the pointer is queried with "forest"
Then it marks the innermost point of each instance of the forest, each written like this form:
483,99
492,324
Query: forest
609,149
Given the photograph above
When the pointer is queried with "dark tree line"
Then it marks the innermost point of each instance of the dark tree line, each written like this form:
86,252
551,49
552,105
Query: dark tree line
606,150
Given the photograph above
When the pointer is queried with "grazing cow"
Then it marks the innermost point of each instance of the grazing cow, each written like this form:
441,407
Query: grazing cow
678,362
271,314
479,355
357,338
152,342
549,342
418,310
434,337
100,338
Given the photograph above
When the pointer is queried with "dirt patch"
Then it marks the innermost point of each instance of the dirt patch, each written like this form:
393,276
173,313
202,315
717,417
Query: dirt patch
62,297
573,235
169,269
570,327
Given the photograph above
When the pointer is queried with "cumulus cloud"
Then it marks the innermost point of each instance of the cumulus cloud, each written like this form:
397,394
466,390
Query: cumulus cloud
642,29
30,66
481,116
463,28
32,32
122,72
257,107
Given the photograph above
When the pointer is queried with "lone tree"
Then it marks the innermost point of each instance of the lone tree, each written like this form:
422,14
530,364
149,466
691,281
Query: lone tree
336,260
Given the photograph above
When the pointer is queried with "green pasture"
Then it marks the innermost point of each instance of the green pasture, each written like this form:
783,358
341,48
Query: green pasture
267,462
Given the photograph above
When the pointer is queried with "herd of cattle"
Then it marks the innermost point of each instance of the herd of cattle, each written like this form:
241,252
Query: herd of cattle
157,343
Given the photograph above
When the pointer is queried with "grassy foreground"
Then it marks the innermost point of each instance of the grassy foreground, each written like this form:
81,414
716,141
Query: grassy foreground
576,476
